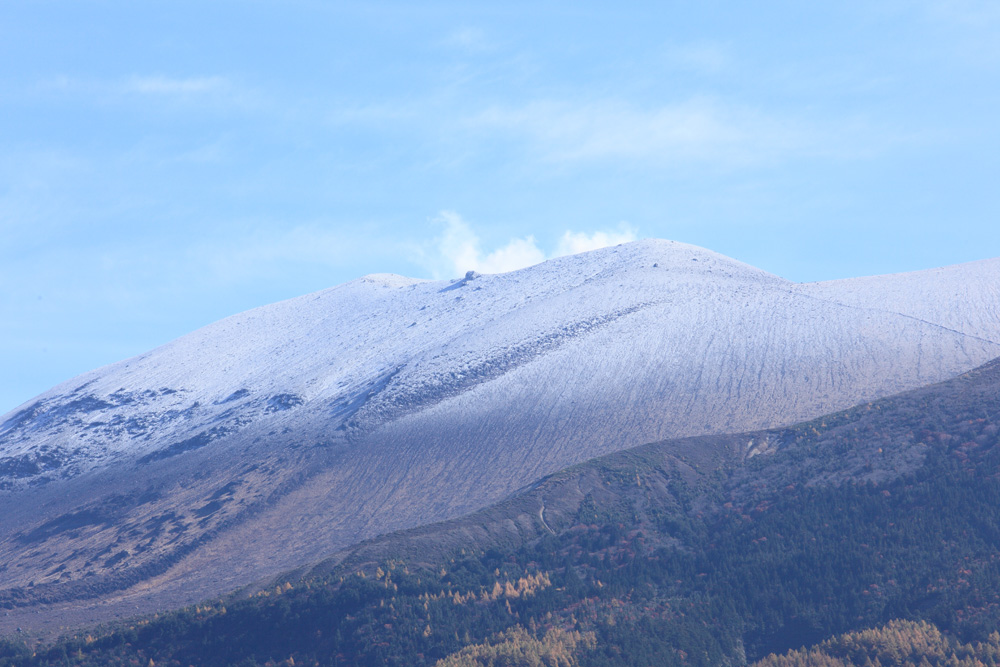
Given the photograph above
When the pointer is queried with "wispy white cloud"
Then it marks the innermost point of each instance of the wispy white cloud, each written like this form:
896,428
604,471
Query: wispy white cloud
708,57
141,85
696,130
387,113
971,29
468,38
196,91
162,85
459,249
979,13
269,250
206,153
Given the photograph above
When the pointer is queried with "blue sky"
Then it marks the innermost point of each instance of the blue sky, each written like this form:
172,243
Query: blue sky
165,164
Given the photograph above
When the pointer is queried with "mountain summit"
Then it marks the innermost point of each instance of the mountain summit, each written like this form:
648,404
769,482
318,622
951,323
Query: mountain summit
278,435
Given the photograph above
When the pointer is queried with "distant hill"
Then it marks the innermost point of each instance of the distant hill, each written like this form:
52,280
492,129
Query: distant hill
278,436
717,550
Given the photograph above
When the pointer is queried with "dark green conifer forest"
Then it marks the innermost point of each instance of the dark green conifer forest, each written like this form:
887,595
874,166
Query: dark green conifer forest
881,520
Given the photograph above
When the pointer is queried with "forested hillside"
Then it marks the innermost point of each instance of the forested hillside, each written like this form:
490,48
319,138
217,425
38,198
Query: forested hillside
894,645
697,552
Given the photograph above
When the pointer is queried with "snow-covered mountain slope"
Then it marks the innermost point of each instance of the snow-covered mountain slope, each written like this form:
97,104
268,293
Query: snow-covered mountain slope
964,298
387,402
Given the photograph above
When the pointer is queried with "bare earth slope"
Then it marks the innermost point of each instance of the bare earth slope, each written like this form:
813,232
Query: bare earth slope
281,434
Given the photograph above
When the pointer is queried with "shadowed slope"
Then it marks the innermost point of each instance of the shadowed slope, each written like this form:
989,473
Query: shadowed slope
278,435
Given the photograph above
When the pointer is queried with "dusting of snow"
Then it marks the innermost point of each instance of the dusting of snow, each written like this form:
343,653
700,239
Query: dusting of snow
390,280
963,298
521,372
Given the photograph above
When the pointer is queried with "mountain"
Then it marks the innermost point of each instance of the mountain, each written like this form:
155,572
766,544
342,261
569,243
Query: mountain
713,550
279,435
